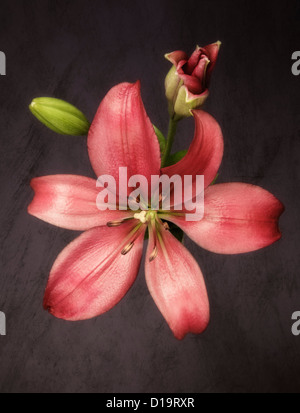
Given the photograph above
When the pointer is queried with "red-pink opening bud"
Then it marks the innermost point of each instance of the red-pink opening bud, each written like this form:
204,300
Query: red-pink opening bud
188,81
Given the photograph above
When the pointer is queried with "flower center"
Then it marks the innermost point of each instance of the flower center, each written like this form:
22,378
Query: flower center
145,216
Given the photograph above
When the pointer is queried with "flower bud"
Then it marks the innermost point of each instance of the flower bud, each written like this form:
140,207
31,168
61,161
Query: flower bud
188,80
60,116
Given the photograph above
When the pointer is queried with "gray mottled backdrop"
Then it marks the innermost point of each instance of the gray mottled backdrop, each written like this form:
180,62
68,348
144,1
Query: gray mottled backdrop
77,50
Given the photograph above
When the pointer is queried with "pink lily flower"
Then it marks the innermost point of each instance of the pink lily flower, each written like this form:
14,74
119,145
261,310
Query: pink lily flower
96,270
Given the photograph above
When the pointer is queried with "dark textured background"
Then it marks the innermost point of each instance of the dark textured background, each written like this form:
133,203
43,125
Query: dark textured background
78,50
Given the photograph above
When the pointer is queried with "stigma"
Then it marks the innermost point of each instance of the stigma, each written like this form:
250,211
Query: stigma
145,216
142,216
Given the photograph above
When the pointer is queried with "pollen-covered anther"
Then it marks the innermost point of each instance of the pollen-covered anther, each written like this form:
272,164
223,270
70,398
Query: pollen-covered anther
127,248
166,226
153,254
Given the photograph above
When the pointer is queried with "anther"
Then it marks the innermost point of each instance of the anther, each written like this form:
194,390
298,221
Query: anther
114,223
166,226
127,248
153,254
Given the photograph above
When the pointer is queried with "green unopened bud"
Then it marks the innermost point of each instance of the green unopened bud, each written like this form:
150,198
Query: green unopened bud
60,116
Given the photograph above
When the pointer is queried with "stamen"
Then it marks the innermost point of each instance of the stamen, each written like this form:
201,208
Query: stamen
166,226
127,248
112,224
153,254
117,223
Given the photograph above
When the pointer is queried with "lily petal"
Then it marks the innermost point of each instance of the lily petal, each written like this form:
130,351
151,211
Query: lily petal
91,275
200,69
122,135
69,201
176,57
212,52
193,84
238,218
205,153
193,61
176,284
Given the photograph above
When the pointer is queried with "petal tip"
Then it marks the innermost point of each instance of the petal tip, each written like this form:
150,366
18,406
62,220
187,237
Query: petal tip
33,183
137,85
196,330
30,208
167,57
32,205
281,208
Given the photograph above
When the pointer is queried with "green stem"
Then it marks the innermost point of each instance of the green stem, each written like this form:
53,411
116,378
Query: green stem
170,140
